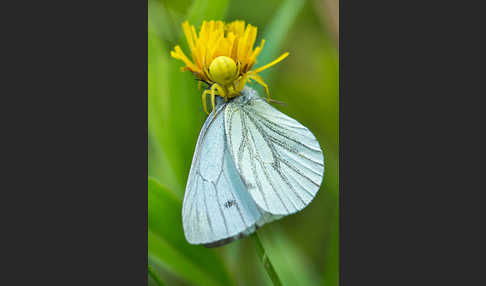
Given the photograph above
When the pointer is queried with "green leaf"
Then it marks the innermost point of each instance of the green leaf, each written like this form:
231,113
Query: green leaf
152,273
267,263
162,20
158,116
175,115
179,6
168,247
175,109
277,30
290,263
330,274
206,10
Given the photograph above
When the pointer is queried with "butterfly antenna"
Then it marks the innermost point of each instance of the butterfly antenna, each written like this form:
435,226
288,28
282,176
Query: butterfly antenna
277,102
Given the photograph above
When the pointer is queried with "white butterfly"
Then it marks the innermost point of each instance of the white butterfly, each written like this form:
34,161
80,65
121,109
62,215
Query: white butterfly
252,164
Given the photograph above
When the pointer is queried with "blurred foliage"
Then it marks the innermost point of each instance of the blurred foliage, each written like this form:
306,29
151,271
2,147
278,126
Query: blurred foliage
168,247
304,247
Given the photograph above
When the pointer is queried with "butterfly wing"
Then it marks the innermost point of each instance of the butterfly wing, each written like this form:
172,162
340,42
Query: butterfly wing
217,208
279,159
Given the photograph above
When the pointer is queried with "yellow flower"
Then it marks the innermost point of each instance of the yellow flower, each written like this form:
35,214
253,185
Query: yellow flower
222,57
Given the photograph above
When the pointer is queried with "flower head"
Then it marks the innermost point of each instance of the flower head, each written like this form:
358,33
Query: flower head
223,56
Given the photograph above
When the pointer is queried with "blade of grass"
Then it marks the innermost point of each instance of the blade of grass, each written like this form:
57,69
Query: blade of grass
206,10
289,260
267,264
159,167
330,275
162,21
157,86
175,110
168,247
178,7
157,115
155,276
169,94
275,33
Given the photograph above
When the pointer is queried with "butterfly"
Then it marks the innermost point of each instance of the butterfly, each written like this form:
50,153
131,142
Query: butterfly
252,165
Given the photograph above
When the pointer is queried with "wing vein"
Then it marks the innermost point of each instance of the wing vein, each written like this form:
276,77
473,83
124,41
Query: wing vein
207,213
253,166
193,192
257,179
303,187
303,166
286,147
286,180
274,128
284,122
221,210
238,208
276,166
299,172
260,159
244,139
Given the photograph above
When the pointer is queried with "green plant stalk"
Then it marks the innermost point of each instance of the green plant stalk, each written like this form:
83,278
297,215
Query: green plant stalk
155,276
267,264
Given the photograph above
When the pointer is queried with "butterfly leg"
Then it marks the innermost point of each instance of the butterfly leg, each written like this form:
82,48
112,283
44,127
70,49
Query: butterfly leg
260,81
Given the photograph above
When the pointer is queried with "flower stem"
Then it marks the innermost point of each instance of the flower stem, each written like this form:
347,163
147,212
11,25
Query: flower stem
155,276
267,264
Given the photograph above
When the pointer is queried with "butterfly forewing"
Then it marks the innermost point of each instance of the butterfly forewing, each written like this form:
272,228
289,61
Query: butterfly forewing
279,160
217,207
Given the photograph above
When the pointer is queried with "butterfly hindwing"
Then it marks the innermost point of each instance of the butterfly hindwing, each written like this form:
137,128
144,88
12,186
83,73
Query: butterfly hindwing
279,159
217,207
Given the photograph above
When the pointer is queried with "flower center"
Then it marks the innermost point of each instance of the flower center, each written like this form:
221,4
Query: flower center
223,70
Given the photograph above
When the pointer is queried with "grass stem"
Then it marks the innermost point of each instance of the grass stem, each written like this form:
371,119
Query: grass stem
267,264
155,276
